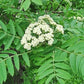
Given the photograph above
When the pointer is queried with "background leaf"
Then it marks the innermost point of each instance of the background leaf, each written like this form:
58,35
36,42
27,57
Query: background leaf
73,62
10,66
38,2
16,61
3,26
25,5
26,59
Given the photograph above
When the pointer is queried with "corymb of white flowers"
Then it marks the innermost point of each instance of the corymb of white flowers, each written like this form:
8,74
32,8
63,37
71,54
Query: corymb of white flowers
40,32
78,18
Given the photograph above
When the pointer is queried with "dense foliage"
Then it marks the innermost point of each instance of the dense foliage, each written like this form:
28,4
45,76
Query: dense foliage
59,63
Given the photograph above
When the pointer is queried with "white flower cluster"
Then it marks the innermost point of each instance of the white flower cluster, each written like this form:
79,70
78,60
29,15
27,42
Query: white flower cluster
60,28
78,18
48,18
39,32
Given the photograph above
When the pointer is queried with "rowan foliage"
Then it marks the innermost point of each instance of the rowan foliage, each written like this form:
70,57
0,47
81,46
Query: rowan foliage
56,55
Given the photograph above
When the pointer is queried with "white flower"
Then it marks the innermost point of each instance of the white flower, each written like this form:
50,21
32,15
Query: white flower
28,30
60,28
79,18
33,37
48,36
46,17
45,28
40,26
53,23
27,46
37,30
50,30
40,18
50,42
35,42
31,25
29,37
74,17
23,41
25,36
41,38
36,24
36,13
